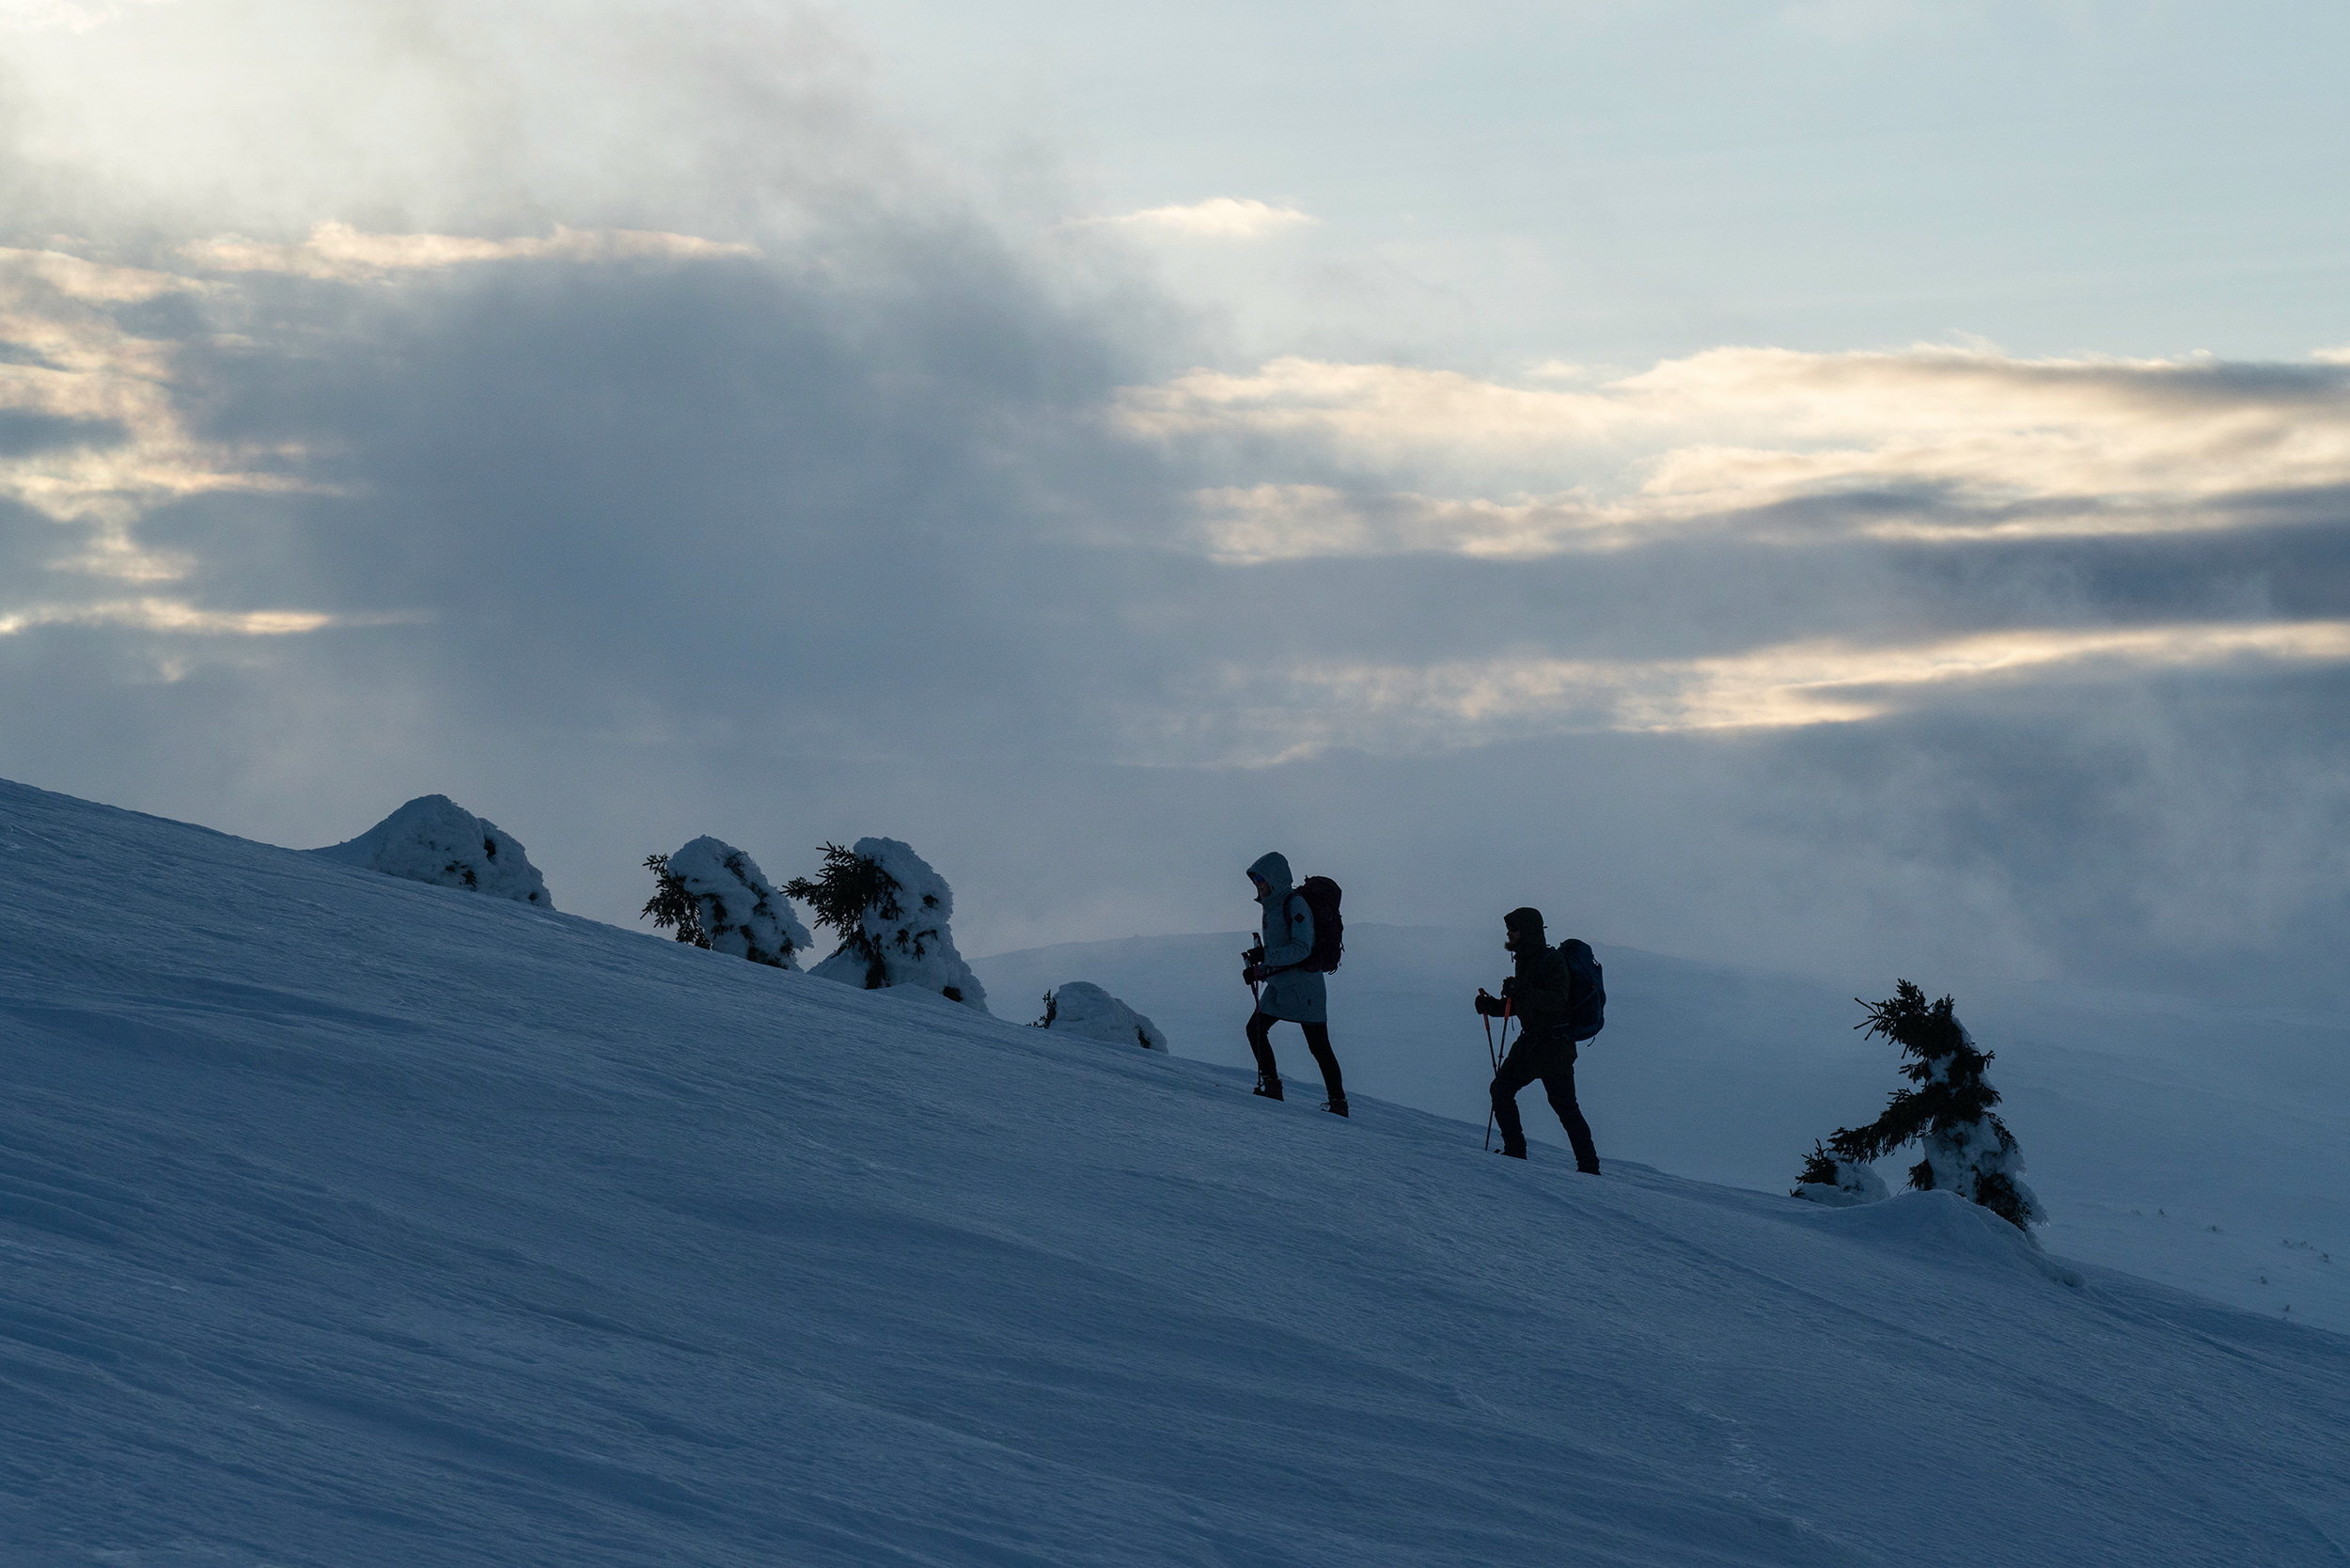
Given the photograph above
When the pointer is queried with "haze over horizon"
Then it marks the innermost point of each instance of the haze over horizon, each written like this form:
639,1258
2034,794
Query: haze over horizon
1846,486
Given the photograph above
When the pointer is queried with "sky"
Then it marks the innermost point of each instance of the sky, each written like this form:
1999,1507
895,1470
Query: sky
1856,488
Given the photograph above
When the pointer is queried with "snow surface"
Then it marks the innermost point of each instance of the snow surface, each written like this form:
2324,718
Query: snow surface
1083,1009
2196,1144
434,840
429,1229
918,945
741,911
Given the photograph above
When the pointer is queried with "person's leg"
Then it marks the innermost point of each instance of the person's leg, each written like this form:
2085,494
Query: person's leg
1518,1068
1559,1083
1318,1042
1260,1046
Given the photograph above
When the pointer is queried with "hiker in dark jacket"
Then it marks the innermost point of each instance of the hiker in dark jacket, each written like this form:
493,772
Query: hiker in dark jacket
1537,997
1290,991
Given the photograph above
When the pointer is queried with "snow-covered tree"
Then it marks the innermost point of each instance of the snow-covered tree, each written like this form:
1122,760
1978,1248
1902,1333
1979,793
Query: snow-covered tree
1084,1009
1843,1183
714,896
434,840
891,911
1968,1148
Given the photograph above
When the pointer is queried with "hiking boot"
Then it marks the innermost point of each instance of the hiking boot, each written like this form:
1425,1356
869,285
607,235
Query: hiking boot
1512,1153
1268,1086
1336,1107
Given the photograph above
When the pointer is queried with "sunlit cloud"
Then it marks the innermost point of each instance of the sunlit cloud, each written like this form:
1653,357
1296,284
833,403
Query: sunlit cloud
339,251
1216,218
176,616
1396,707
1946,443
104,436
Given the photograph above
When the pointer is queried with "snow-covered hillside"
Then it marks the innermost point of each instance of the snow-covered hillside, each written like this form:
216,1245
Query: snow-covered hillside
352,1220
2198,1144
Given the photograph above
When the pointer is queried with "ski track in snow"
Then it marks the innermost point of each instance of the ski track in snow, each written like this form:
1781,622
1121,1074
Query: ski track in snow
352,1220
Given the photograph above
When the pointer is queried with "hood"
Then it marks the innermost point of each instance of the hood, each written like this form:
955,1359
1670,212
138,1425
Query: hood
1274,869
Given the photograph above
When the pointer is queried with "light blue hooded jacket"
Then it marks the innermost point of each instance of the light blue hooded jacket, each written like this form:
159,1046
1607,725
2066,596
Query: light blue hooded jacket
1296,994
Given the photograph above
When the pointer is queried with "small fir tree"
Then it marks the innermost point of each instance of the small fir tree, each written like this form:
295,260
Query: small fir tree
714,896
1968,1148
893,911
671,907
840,896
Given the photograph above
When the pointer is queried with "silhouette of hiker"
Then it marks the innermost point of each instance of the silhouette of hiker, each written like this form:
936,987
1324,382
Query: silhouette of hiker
1290,991
1538,996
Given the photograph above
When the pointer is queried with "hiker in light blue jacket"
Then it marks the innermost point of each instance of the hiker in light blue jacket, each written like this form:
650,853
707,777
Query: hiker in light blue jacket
1289,992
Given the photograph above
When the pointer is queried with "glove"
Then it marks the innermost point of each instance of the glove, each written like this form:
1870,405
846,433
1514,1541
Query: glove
1254,973
1492,1006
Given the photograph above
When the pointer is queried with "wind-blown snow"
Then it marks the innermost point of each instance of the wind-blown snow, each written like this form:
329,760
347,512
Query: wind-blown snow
427,1229
912,935
1084,1009
434,840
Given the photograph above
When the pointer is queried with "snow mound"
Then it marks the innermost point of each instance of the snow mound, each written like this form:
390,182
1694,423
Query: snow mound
910,932
1947,1228
434,840
741,911
1085,1009
1856,1182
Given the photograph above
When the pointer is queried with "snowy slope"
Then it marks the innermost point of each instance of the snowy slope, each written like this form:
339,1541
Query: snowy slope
2200,1145
352,1220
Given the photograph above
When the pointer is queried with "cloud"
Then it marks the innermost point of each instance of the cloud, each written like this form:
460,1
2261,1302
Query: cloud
176,616
70,16
337,250
1216,218
1451,705
320,489
1938,444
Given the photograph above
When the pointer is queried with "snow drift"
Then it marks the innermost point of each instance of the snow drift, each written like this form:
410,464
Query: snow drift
1085,1009
434,840
432,1230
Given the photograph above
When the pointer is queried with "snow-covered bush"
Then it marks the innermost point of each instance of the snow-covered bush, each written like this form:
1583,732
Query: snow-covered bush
434,840
892,912
1842,1182
1084,1009
1968,1148
714,896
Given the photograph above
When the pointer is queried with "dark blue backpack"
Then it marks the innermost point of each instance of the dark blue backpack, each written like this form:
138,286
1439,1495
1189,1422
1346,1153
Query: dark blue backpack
1587,998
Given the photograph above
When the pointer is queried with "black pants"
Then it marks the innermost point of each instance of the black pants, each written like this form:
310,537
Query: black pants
1554,1066
1317,1041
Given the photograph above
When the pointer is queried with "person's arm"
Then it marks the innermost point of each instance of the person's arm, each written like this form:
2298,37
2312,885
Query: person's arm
1300,945
1540,999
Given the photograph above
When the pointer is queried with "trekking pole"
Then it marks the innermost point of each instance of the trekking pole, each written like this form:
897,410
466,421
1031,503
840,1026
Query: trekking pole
1497,1055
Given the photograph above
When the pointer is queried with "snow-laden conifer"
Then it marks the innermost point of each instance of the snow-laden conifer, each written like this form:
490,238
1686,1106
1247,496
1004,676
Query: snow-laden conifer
434,840
891,911
1843,1183
1084,1009
714,896
1968,1148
